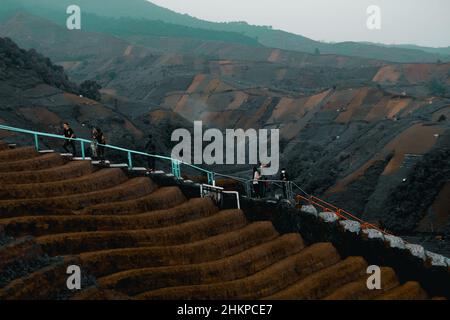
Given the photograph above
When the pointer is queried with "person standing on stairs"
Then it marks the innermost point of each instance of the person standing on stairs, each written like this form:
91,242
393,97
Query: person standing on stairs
285,178
69,134
256,182
150,148
263,185
100,139
94,144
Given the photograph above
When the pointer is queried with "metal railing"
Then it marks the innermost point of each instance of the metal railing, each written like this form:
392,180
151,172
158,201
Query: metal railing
175,163
265,188
286,186
340,213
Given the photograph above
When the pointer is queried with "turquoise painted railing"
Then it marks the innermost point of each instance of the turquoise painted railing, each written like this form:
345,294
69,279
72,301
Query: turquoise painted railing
176,164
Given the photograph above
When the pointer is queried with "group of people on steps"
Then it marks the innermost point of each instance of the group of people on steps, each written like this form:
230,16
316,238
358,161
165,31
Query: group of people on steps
259,181
97,144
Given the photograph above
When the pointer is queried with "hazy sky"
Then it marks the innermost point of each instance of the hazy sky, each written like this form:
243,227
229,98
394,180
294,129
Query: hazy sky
423,22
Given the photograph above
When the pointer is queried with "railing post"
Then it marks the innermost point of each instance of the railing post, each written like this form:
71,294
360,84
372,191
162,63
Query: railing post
211,179
36,142
290,192
83,156
248,188
130,161
176,169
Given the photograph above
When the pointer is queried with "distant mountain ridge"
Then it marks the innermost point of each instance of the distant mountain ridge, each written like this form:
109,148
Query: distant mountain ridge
441,50
238,32
126,26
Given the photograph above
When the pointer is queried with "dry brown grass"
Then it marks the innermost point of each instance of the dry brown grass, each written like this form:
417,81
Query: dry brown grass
323,282
417,139
102,179
70,170
238,266
44,225
153,243
3,146
261,284
37,163
389,74
163,198
71,243
93,294
409,291
358,290
18,154
101,263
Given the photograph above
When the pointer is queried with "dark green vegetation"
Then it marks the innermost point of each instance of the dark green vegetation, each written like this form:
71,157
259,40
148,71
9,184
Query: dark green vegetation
13,58
119,25
311,169
36,94
357,193
408,203
437,88
146,15
90,89
142,27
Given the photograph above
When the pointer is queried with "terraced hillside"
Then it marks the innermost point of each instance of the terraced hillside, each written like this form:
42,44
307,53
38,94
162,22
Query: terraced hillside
135,239
36,94
351,129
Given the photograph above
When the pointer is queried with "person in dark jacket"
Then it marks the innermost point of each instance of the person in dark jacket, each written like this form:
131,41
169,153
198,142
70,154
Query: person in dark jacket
151,149
69,134
256,183
100,139
285,178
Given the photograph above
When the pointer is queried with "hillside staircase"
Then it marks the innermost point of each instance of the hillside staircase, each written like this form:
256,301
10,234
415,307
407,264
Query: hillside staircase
135,239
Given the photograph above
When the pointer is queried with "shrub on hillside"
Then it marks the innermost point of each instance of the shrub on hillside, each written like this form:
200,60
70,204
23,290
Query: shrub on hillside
356,195
13,58
91,89
408,203
437,87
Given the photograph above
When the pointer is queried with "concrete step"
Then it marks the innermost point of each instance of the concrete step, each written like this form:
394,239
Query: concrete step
118,165
81,159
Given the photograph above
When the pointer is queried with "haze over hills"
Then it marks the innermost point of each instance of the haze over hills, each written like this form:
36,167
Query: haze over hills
146,13
442,50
